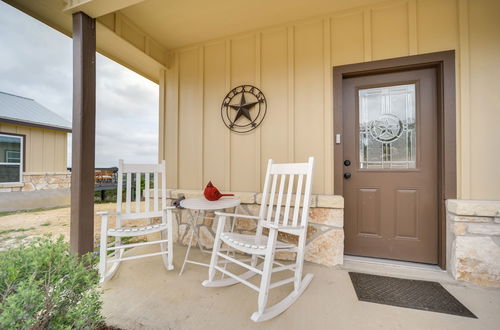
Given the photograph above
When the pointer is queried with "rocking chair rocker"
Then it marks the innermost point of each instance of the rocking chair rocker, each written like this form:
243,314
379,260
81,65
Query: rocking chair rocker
109,263
262,247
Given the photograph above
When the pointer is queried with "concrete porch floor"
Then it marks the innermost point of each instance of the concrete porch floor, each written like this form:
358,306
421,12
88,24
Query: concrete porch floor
143,295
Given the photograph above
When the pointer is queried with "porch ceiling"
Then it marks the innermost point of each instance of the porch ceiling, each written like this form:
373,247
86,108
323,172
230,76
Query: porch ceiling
177,23
138,33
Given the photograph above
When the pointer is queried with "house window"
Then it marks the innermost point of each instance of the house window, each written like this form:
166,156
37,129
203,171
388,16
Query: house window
11,158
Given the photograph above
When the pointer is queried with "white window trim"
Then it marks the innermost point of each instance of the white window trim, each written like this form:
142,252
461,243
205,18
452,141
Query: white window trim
9,156
21,158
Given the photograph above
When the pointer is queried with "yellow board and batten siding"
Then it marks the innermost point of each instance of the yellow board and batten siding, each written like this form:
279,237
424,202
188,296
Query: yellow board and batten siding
46,149
292,64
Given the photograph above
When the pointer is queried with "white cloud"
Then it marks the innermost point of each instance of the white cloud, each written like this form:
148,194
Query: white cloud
36,62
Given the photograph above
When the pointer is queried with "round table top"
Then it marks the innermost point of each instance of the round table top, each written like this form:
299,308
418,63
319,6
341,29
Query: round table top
201,203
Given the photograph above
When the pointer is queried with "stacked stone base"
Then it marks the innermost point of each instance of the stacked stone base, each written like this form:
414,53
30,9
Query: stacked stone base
473,244
36,181
325,237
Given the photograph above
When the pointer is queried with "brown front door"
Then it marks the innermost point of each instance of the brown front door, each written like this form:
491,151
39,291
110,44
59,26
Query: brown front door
390,140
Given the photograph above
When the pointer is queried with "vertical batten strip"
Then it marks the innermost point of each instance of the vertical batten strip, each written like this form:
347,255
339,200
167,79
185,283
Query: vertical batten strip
138,176
258,138
176,113
162,108
290,92
172,122
128,192
327,108
201,81
147,45
288,200
118,23
464,110
367,34
155,192
227,160
412,28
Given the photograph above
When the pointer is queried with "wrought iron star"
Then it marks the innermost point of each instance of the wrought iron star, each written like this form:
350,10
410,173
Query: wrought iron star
243,109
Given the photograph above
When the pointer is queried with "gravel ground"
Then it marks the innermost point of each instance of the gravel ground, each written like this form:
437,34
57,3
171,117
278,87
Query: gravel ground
20,227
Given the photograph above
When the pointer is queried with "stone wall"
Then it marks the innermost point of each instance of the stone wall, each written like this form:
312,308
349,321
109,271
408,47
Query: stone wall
36,181
45,181
473,241
325,241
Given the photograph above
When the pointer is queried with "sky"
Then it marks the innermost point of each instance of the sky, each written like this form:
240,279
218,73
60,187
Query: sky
36,62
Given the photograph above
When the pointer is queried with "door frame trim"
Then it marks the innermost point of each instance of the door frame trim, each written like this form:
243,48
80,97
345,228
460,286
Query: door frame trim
444,63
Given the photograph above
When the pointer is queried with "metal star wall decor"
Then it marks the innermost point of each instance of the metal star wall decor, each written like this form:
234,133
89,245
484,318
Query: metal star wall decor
243,108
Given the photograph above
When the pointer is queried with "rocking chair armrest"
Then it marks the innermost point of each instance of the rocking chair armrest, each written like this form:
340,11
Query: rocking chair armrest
237,215
101,213
279,227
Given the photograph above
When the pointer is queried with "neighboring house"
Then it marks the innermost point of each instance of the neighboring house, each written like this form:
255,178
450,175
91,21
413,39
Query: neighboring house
33,146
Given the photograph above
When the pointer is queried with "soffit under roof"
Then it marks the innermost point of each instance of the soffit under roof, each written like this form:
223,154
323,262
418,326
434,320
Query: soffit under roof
177,23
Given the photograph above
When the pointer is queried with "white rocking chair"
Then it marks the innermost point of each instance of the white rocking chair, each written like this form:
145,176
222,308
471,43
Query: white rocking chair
262,247
109,263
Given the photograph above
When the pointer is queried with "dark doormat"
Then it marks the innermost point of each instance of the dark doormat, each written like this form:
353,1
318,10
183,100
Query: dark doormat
423,295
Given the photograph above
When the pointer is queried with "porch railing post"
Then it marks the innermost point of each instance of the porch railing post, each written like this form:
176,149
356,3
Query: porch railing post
83,143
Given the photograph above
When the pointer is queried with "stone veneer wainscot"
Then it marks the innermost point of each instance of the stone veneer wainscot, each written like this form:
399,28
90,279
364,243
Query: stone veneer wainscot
325,242
35,181
473,241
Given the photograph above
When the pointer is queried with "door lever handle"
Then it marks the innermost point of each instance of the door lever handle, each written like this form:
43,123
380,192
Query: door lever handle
347,175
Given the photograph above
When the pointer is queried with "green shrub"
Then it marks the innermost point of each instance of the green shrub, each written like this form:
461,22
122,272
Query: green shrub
44,286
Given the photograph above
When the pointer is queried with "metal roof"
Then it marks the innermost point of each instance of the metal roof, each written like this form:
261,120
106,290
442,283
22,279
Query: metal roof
21,110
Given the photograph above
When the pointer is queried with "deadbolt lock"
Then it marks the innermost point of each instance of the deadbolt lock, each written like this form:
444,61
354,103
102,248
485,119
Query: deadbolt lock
347,162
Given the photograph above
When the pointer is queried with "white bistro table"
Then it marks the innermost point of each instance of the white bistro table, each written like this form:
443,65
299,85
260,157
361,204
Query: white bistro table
195,207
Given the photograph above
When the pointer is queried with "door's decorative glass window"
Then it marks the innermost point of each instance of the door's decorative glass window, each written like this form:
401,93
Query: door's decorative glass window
11,158
387,131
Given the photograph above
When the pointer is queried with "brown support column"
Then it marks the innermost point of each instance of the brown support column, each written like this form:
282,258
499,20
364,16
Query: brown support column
83,144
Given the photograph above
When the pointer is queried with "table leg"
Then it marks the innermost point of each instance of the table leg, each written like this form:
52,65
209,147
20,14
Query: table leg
192,220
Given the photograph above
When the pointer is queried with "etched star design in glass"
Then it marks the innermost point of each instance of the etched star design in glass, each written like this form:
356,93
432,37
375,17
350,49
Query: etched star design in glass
386,129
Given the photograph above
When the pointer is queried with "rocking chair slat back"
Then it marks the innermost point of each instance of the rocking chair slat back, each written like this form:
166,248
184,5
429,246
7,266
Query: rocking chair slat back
263,209
307,201
163,190
147,195
137,192
272,201
134,173
128,192
119,188
280,199
298,195
288,200
155,192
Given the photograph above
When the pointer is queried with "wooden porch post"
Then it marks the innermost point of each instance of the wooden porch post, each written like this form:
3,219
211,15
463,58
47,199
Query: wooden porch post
83,144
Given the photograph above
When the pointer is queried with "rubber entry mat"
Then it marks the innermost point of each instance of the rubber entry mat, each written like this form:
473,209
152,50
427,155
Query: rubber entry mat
423,295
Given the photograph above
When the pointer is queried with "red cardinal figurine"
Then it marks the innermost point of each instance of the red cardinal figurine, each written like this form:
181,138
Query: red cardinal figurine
212,193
